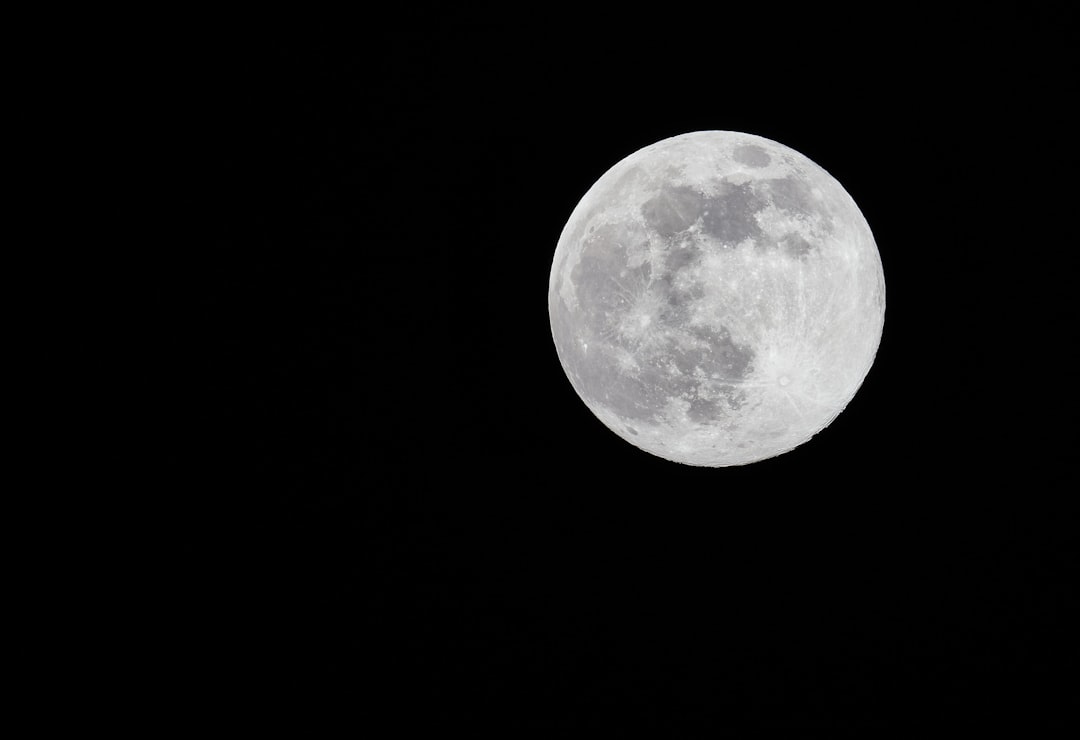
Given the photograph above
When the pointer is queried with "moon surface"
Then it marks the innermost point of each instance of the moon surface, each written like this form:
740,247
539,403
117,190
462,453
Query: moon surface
716,298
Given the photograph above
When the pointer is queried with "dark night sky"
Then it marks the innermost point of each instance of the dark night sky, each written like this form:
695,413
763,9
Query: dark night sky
401,509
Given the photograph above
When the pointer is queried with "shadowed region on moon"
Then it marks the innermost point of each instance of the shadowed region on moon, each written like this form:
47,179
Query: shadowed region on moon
713,320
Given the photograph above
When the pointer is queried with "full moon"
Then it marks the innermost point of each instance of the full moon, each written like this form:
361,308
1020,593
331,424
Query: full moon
716,298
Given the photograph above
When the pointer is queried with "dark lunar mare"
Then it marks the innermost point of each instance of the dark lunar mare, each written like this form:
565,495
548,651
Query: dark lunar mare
606,287
729,216
673,210
751,155
791,194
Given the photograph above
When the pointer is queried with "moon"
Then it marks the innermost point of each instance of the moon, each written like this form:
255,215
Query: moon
716,298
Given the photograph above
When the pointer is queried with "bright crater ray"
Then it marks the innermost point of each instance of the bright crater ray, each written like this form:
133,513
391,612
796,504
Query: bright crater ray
716,298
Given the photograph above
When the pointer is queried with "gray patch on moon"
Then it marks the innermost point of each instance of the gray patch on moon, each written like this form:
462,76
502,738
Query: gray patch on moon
790,194
795,245
634,398
593,368
751,155
680,256
703,410
674,209
729,216
603,280
723,355
710,364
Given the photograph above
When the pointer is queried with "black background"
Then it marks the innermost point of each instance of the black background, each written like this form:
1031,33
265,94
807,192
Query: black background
397,506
